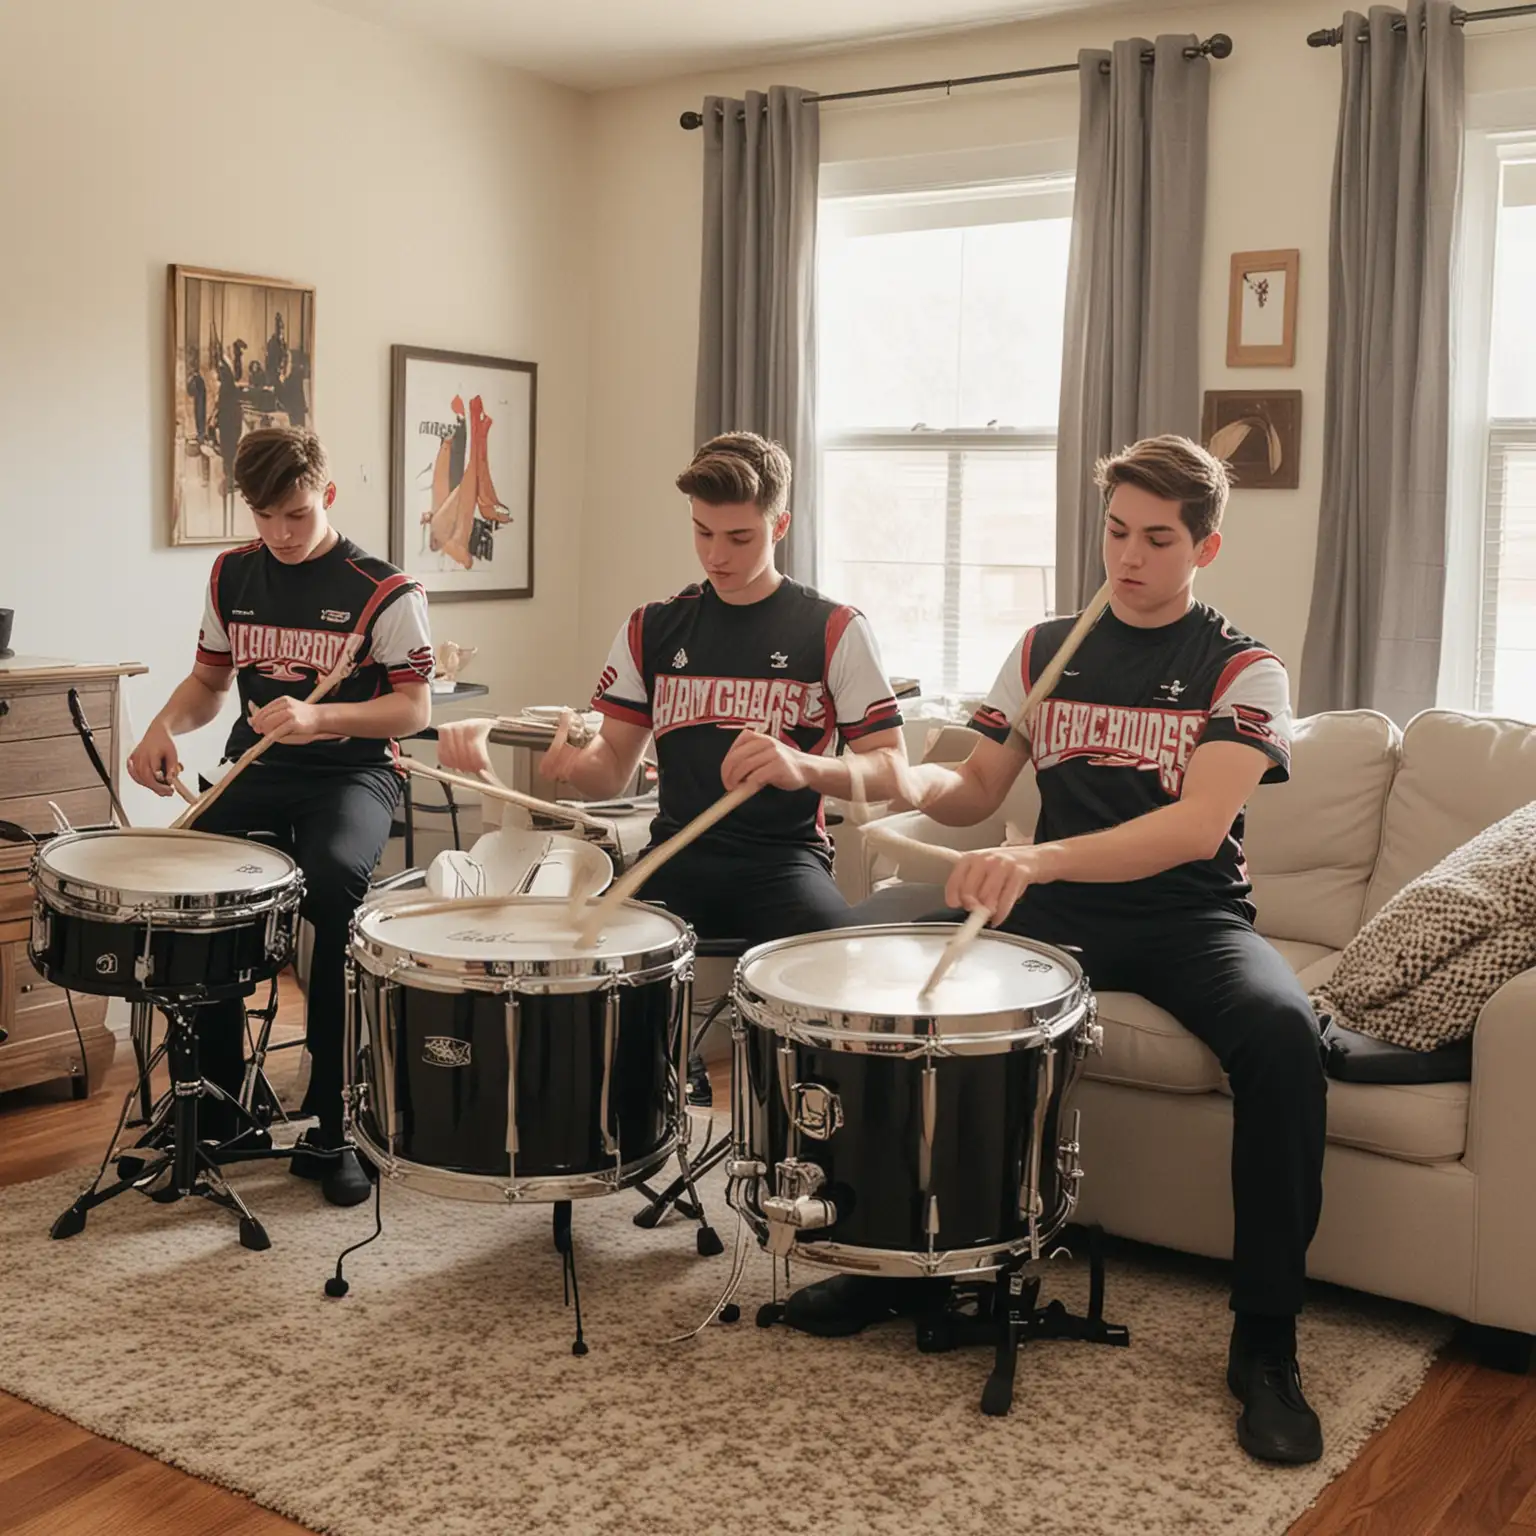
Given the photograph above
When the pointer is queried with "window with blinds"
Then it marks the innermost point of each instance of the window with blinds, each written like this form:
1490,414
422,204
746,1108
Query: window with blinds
940,331
1506,637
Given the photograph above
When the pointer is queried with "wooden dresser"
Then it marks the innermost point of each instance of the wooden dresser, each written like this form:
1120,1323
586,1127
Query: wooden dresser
42,758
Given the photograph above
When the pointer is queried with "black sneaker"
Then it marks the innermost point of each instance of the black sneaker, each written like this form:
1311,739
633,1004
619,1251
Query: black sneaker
846,1304
1277,1423
700,1093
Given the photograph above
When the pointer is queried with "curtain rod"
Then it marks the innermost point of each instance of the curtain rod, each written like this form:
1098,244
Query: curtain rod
1331,37
1218,46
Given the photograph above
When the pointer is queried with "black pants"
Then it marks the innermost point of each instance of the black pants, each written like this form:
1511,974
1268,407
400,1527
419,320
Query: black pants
731,893
1231,989
334,823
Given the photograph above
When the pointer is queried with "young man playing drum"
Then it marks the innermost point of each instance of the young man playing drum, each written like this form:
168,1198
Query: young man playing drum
277,617
747,678
1164,722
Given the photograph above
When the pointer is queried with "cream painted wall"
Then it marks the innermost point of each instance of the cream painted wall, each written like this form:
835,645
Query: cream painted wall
1273,116
432,199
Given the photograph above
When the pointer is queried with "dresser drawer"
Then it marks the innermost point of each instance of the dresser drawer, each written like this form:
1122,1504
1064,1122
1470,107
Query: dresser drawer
83,807
15,911
44,765
28,713
31,990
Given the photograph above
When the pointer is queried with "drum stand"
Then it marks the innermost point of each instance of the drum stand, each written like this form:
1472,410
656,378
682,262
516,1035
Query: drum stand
681,1193
171,1141
1010,1316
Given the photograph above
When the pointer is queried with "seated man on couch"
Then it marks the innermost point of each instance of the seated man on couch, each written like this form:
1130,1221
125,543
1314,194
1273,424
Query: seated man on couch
1163,724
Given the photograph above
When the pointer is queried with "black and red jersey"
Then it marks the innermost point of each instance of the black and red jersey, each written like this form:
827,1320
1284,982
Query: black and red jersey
694,670
1115,737
283,627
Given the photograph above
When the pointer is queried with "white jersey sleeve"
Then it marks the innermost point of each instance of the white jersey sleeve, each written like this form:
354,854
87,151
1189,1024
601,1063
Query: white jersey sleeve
1252,705
862,701
402,639
622,692
1010,688
213,649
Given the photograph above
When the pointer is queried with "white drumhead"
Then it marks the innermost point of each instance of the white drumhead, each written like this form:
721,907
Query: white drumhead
155,862
881,971
514,930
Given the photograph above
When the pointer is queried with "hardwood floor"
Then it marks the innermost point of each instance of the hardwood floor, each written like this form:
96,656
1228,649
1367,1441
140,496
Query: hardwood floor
1460,1460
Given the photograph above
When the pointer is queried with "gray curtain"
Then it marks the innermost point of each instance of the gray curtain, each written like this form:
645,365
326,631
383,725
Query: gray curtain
757,320
1130,359
1373,635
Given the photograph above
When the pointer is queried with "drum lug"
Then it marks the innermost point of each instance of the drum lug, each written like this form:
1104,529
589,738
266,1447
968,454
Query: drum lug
796,1207
145,964
817,1111
1068,1159
42,928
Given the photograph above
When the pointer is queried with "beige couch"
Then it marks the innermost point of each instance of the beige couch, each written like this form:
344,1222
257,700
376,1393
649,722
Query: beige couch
1429,1191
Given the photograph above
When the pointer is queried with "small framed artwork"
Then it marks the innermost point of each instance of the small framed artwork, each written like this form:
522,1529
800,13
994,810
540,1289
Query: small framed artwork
1259,436
1261,309
242,356
462,472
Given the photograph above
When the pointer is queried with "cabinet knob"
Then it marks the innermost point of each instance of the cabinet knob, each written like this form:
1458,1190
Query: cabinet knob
5,1035
5,708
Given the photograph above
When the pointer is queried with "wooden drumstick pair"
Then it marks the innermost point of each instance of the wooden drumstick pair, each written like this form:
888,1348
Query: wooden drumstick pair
964,936
251,753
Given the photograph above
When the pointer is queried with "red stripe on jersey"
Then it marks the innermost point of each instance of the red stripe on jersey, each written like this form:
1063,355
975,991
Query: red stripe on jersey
209,658
621,712
384,590
837,626
880,716
1234,668
637,641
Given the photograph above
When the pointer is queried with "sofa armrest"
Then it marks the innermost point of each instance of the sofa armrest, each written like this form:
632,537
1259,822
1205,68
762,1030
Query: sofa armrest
895,846
1501,1152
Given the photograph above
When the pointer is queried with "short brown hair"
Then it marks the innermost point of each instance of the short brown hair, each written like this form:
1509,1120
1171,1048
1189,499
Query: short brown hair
1177,470
737,467
272,460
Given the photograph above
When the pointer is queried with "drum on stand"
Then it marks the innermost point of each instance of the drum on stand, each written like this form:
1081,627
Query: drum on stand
879,1132
150,914
489,1057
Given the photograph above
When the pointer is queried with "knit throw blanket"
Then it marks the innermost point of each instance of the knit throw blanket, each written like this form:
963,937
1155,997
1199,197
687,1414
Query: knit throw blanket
1420,971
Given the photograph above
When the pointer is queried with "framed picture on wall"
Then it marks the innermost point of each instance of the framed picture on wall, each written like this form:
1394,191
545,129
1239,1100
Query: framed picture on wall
1261,309
1259,436
462,472
242,356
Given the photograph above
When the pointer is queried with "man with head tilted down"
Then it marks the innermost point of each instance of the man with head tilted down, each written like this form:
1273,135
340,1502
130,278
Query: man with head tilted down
745,678
278,615
1163,724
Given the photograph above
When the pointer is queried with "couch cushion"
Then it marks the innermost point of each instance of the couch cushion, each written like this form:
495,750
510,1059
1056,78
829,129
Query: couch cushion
1146,1047
1420,1123
1312,843
1458,774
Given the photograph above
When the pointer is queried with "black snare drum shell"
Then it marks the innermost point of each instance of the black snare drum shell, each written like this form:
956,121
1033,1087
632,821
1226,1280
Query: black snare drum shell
451,1063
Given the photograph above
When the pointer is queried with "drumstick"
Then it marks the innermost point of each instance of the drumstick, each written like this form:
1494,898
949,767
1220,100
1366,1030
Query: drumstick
180,786
621,890
251,753
960,941
964,936
499,791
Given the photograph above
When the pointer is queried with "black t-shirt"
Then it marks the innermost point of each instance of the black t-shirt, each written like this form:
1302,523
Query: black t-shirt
695,670
283,627
1116,735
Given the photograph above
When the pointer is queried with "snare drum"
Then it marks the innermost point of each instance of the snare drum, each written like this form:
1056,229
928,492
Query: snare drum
882,1133
490,1058
151,914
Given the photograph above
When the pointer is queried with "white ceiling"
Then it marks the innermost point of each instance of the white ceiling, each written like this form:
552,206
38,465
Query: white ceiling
595,45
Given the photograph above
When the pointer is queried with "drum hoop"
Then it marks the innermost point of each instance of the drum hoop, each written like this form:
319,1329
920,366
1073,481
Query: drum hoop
572,973
838,1031
79,897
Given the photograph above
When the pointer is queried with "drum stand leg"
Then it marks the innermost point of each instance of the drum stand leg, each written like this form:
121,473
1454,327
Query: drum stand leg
682,1192
567,1251
191,1167
1013,1318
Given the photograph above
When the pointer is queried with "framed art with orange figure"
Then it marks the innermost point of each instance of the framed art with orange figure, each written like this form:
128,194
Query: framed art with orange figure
461,485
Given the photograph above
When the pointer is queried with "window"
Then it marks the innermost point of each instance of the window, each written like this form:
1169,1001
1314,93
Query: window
1506,640
940,330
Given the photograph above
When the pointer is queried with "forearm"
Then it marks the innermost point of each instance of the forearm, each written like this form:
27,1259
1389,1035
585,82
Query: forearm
193,704
855,776
950,796
1135,850
598,772
391,714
